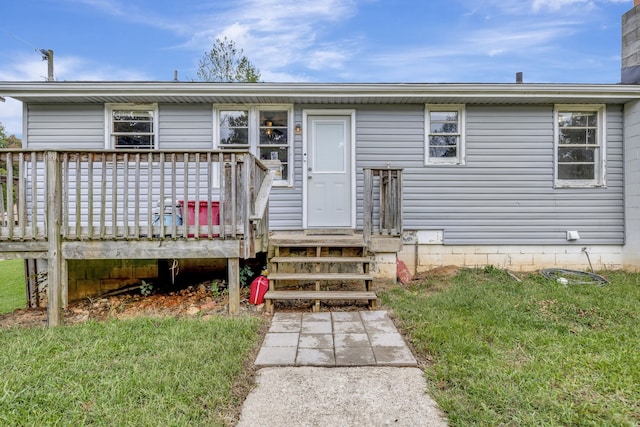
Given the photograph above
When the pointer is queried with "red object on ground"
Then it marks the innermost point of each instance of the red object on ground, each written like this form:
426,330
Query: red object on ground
403,272
258,288
203,214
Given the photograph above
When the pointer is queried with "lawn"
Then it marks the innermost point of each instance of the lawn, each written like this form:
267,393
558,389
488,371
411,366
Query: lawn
530,353
12,287
142,372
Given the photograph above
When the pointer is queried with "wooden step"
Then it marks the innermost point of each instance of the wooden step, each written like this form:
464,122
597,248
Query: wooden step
324,295
321,259
319,276
317,296
301,241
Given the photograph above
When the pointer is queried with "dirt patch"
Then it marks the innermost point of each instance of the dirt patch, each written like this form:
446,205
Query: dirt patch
442,272
193,301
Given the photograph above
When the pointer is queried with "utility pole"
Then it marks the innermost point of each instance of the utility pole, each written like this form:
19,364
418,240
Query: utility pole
47,55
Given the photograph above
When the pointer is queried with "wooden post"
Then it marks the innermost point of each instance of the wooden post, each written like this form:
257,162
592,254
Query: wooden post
233,272
55,261
367,221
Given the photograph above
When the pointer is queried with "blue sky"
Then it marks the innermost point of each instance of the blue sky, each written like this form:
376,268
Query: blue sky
552,41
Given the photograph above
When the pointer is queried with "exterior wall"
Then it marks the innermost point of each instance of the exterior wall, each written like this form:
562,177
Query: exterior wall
504,193
516,258
65,126
513,257
632,186
185,126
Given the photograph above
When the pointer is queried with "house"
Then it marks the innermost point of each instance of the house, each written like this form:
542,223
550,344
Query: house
519,176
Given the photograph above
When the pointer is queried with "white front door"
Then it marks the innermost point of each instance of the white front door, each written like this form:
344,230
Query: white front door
328,172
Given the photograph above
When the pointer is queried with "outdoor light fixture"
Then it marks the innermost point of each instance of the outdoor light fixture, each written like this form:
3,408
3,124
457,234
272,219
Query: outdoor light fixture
298,129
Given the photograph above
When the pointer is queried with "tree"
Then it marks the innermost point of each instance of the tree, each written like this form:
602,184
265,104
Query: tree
226,63
8,141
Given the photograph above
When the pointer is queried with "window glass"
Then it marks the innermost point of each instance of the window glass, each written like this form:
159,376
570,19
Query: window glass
234,128
132,128
263,131
273,141
578,148
444,141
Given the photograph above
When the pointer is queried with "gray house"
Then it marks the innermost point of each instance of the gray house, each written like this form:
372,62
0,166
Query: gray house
519,176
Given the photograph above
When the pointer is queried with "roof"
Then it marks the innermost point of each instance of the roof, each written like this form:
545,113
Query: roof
317,93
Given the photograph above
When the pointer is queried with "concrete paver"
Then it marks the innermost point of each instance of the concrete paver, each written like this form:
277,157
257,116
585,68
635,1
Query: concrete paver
366,338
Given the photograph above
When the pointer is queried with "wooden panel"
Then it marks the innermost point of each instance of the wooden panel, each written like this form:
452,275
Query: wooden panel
323,295
320,276
152,249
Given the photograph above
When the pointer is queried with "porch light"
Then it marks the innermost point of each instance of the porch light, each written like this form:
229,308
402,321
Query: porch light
298,129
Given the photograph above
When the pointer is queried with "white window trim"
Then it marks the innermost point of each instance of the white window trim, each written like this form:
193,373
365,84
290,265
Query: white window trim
460,158
108,124
600,163
254,131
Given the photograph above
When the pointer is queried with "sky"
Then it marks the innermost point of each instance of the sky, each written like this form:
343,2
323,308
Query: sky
350,41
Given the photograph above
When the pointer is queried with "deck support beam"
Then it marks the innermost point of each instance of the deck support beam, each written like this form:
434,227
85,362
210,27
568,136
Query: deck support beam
233,272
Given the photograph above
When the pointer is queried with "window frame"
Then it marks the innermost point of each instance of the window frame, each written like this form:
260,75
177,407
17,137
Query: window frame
459,160
109,134
599,179
254,132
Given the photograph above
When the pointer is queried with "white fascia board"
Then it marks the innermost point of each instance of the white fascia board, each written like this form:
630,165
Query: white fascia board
362,91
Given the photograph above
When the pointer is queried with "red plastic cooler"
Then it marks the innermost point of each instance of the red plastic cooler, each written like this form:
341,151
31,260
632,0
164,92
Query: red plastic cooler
203,212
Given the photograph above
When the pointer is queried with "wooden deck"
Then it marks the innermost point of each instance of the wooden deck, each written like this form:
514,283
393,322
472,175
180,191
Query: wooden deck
117,204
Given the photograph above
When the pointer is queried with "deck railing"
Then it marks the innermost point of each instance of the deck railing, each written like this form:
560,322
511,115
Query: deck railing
382,202
133,195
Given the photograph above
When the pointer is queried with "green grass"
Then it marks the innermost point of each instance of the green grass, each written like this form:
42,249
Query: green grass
12,287
527,354
143,372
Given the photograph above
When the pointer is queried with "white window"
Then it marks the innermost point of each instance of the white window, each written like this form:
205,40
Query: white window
263,130
579,145
131,126
445,126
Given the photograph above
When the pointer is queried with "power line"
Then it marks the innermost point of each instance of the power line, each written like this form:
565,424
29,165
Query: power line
21,40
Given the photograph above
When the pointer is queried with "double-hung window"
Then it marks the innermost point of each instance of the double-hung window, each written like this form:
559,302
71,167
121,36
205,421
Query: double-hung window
445,126
131,126
579,145
263,130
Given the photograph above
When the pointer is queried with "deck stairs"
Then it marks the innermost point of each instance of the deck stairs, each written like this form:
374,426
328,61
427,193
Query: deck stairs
318,268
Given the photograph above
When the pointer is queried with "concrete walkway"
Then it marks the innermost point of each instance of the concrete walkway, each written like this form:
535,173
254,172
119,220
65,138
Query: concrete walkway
338,368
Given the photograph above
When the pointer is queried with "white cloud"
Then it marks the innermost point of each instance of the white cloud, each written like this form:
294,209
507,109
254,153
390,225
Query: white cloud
555,5
277,35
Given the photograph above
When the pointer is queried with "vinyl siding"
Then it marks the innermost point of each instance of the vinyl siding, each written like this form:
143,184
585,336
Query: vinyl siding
185,126
62,126
504,193
632,187
285,203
